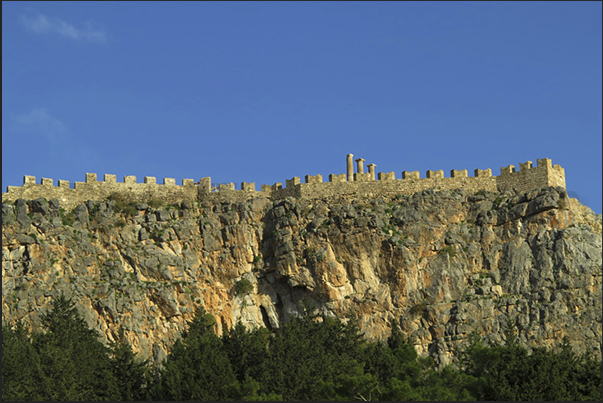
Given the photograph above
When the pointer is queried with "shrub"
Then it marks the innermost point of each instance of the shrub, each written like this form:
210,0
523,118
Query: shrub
418,309
95,209
449,250
122,204
68,219
155,203
320,256
243,287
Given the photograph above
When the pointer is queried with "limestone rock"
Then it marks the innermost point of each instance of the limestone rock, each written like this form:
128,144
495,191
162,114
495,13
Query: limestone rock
441,263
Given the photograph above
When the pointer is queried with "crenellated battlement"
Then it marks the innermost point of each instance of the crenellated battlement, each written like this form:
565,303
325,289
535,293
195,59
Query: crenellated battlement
360,183
93,189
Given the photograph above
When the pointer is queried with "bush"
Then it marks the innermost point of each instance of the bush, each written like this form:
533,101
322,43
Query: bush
243,287
67,219
419,309
155,203
449,250
122,204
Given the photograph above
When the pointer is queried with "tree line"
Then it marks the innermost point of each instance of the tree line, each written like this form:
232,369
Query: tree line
309,358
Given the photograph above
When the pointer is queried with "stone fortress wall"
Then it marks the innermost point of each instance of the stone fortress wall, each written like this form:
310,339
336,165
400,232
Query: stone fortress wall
358,183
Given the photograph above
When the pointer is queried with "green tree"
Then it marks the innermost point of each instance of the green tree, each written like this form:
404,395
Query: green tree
311,356
408,365
132,375
21,368
66,362
378,360
76,365
446,384
197,368
509,372
246,349
403,375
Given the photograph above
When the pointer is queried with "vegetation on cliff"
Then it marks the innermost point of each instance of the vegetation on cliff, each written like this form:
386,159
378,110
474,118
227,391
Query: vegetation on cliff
311,357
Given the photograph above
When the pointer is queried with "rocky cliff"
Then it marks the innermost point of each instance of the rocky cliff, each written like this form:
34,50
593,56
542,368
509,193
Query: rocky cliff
442,263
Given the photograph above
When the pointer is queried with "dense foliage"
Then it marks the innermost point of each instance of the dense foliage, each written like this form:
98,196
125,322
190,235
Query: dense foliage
309,358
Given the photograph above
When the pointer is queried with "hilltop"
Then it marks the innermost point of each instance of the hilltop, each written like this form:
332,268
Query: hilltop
441,262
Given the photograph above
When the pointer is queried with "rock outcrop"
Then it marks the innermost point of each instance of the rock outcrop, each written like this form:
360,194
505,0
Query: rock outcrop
441,263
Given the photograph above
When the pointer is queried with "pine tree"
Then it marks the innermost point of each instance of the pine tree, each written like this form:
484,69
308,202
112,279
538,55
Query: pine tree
132,374
197,368
76,365
21,368
246,349
65,362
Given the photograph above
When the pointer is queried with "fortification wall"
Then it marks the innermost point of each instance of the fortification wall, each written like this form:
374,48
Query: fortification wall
372,188
530,177
92,189
363,184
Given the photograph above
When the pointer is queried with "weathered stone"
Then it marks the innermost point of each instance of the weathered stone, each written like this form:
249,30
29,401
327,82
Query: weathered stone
25,239
21,213
162,215
81,214
8,214
39,205
435,260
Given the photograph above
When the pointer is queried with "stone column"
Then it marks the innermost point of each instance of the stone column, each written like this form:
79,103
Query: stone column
371,168
360,165
350,167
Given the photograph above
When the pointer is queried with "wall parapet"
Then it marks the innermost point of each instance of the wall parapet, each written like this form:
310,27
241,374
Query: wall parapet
528,177
93,189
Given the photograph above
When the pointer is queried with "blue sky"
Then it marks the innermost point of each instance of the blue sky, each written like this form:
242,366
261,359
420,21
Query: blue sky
265,91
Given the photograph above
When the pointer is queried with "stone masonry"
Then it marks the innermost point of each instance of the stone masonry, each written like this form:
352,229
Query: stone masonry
363,184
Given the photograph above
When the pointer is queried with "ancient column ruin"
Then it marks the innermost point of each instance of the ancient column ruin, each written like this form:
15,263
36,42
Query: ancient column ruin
371,168
350,167
360,165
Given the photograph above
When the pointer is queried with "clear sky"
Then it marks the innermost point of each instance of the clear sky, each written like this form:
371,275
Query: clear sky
265,91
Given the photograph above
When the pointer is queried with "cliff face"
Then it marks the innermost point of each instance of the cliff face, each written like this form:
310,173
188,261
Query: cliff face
441,263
